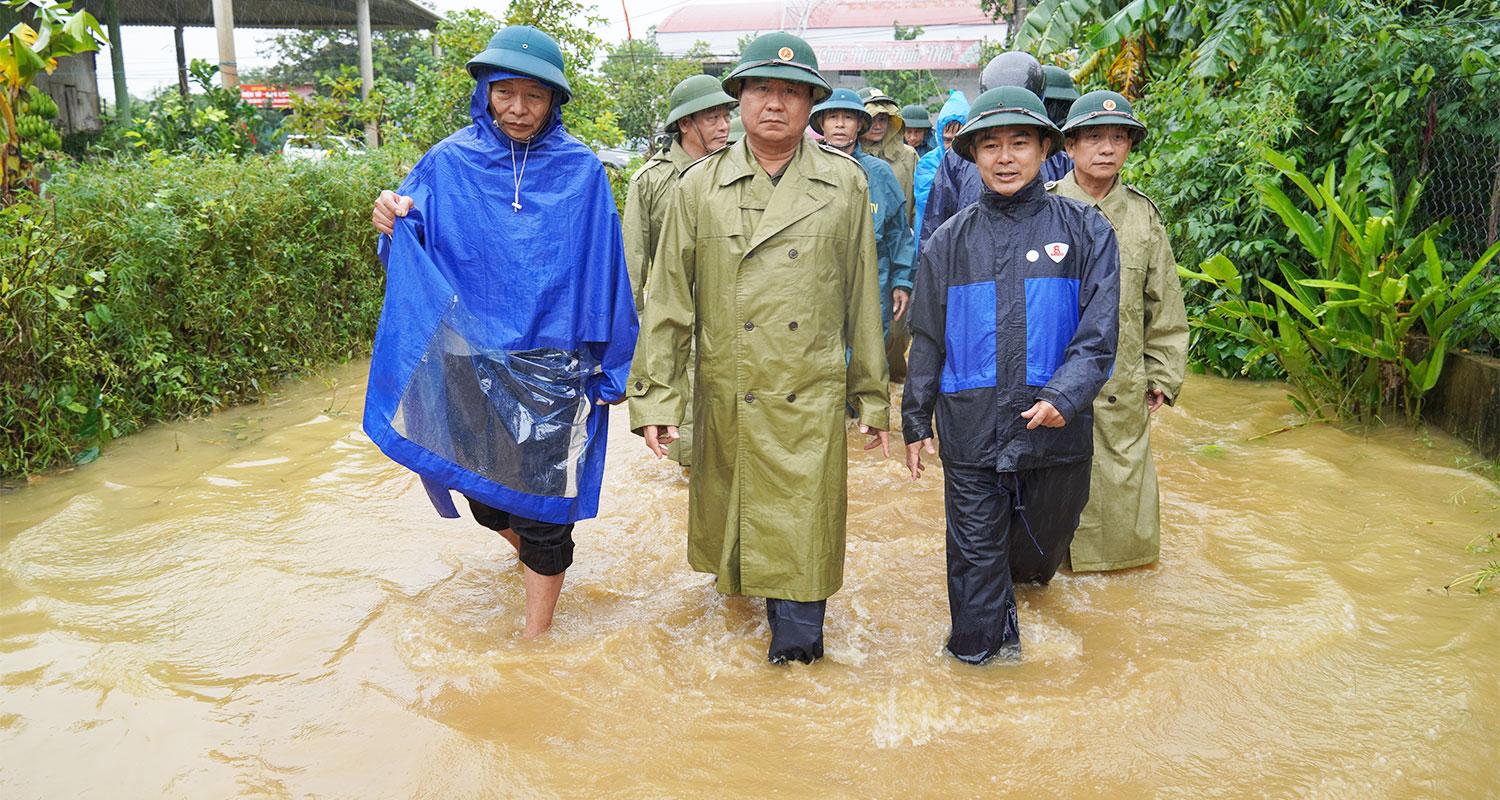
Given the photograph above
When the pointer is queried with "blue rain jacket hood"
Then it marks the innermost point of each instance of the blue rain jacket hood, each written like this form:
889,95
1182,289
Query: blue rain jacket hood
955,109
502,326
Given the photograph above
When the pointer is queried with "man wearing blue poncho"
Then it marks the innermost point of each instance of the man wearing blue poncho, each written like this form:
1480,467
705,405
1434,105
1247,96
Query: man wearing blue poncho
508,318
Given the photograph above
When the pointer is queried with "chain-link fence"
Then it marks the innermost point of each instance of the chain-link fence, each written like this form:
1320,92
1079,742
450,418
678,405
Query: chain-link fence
1459,165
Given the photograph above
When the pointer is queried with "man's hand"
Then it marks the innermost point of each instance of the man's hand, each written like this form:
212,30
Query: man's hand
1043,415
388,206
602,402
1155,398
658,437
900,299
877,438
914,456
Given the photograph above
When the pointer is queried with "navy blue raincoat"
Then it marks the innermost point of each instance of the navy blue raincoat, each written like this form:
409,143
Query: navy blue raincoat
1017,300
503,326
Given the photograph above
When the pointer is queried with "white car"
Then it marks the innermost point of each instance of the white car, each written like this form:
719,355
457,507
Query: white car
317,148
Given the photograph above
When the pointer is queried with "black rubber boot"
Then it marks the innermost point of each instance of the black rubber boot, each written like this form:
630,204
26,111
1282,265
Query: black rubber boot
796,630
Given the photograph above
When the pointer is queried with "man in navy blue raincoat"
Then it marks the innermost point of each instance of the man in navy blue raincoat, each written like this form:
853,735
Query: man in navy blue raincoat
508,322
1014,325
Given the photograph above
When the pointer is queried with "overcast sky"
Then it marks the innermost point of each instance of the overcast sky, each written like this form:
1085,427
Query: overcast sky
150,61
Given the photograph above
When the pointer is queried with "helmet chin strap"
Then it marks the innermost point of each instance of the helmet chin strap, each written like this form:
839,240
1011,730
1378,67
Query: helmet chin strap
702,141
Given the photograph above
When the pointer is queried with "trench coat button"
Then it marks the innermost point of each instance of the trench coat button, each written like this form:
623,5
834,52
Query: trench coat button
1111,398
749,326
792,253
791,398
749,397
639,386
792,325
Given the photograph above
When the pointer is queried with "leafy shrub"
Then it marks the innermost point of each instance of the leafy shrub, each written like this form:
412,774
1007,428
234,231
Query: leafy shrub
155,288
1349,303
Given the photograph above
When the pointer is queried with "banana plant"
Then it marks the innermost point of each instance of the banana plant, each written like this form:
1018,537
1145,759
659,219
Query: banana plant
25,53
1344,320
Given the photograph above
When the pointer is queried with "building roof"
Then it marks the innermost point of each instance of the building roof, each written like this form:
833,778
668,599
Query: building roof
763,16
384,14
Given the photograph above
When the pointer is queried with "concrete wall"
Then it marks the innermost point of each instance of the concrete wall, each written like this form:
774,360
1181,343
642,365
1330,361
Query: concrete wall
1466,401
75,87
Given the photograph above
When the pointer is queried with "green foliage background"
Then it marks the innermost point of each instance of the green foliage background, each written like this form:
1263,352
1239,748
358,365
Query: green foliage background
142,290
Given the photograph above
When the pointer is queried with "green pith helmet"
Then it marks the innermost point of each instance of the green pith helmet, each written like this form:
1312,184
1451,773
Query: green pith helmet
778,55
527,51
878,102
841,100
736,129
1104,108
1059,84
1006,105
916,116
698,93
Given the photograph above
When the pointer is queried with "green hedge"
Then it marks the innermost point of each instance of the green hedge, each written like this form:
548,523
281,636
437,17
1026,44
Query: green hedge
137,291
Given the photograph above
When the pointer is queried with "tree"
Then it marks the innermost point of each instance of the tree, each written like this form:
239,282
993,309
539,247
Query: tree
641,77
25,53
436,103
906,86
308,57
590,116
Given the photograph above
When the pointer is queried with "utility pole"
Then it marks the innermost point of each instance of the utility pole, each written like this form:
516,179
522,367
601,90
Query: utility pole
229,70
366,64
182,75
117,59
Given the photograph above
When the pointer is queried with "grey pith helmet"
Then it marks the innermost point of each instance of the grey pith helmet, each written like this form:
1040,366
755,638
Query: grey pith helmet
1013,68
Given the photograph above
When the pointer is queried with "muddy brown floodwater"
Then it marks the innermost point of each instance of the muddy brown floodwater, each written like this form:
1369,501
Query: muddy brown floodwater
260,604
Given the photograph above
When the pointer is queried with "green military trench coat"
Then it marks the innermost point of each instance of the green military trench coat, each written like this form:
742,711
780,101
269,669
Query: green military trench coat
1121,525
773,282
645,208
646,204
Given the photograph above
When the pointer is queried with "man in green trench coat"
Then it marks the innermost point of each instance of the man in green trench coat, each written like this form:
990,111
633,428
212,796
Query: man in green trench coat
1121,525
767,262
698,121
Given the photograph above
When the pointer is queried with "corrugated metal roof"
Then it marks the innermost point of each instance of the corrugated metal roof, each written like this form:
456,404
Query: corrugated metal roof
384,14
920,54
844,14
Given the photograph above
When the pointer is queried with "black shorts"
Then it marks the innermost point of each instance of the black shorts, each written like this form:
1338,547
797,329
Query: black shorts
546,547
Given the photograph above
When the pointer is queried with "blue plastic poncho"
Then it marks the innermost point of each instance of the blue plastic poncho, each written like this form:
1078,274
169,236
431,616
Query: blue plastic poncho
503,326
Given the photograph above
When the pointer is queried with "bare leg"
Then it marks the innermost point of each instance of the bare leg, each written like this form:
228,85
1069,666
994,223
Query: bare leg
510,536
541,600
